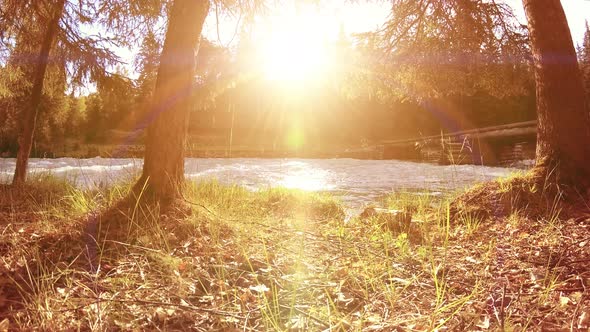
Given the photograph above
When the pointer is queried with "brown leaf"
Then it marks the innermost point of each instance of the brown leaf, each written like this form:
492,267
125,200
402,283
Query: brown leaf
485,323
584,320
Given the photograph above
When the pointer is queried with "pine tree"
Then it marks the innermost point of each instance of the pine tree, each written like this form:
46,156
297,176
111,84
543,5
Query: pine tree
75,117
563,121
163,168
29,115
95,118
435,49
146,63
585,62
59,27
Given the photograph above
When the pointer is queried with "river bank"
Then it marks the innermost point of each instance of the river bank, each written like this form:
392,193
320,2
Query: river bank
81,150
355,182
281,259
507,153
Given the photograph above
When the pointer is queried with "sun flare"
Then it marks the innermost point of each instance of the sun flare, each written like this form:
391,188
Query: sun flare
293,47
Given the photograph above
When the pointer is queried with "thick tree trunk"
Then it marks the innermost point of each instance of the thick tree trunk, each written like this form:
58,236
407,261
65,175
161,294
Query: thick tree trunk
163,168
563,138
29,116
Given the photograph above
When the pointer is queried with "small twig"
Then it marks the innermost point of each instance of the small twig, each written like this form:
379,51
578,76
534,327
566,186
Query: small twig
187,307
572,324
570,289
317,320
133,246
577,242
201,206
579,261
502,307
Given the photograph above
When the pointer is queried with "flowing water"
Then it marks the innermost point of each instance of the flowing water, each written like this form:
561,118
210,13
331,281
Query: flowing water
356,182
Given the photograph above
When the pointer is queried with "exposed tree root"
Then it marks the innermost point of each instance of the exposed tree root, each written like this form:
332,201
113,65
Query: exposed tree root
536,194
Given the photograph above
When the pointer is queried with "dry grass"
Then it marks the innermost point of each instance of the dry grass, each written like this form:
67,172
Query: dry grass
282,260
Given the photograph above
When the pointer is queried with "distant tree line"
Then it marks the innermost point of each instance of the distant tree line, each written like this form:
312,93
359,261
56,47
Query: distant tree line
464,94
351,108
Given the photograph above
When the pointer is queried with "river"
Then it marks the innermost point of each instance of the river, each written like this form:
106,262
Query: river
356,182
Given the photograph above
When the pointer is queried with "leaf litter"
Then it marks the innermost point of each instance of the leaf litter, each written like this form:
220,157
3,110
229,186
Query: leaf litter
285,266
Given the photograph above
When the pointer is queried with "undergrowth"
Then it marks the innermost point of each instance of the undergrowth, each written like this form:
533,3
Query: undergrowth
281,260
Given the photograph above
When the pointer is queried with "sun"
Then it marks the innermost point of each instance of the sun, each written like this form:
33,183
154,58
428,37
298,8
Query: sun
292,58
293,47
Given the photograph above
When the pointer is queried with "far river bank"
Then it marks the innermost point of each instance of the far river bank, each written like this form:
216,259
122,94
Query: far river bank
356,182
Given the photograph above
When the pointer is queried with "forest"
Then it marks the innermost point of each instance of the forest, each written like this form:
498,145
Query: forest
71,118
122,206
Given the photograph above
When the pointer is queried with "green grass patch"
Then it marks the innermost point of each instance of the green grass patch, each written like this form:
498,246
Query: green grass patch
276,260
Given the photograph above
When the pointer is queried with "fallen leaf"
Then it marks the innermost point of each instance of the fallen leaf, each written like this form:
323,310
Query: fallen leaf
259,288
485,324
563,301
400,280
583,320
182,266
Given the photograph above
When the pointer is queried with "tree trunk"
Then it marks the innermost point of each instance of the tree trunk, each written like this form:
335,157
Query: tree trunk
163,168
29,116
563,133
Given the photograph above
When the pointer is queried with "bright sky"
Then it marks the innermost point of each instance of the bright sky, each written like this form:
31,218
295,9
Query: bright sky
577,12
323,21
290,40
366,16
354,17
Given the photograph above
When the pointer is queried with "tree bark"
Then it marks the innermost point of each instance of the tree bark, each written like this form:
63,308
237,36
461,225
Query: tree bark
563,133
163,168
29,116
